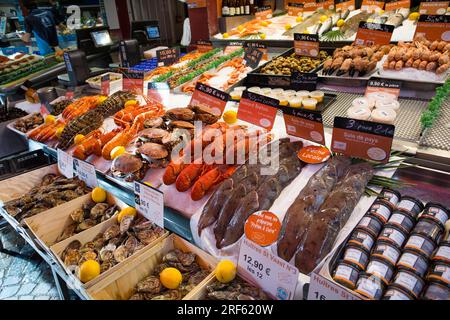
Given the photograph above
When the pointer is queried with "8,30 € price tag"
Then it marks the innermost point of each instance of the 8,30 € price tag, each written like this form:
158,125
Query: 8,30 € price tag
150,203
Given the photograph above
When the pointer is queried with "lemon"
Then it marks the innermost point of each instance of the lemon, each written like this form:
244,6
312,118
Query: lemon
131,103
117,151
370,20
226,271
102,99
264,23
240,28
323,18
230,117
299,19
226,35
306,32
263,36
59,132
126,212
50,119
414,16
171,278
98,195
340,23
381,11
288,27
89,270
79,138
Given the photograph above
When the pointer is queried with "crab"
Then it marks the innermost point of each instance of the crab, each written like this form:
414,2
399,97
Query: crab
154,135
205,114
156,154
128,167
181,114
154,123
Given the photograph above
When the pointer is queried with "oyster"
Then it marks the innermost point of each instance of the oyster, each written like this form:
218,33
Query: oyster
149,285
107,252
71,258
68,232
85,225
169,295
125,224
120,254
98,210
77,215
238,289
111,232
181,114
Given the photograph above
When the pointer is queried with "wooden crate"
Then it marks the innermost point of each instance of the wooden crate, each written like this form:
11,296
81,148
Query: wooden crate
121,284
49,225
88,236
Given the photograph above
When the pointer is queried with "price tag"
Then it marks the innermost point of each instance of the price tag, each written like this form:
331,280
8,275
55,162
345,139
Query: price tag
304,124
383,85
258,45
258,110
295,9
325,4
86,172
321,288
344,5
150,203
372,6
215,99
44,110
65,164
304,81
433,27
263,228
233,46
106,82
204,45
253,57
132,80
314,154
195,4
166,57
275,276
363,139
306,44
434,7
264,13
374,33
309,5
70,95
392,5
158,91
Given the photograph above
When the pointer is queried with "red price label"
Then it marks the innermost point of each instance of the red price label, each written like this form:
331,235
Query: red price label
371,6
434,7
374,33
304,124
210,97
263,228
264,13
433,27
394,5
258,110
344,5
306,45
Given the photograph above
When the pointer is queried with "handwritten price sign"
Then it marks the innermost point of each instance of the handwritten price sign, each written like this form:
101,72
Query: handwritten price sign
65,164
86,172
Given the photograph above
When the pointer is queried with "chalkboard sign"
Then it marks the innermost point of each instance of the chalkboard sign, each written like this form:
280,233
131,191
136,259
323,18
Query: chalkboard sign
253,57
166,57
304,81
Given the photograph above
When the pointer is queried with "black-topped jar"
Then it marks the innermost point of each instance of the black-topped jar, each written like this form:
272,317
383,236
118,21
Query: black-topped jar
436,212
387,251
436,291
393,235
370,224
362,239
380,268
370,287
395,292
382,210
391,196
346,274
409,282
421,243
403,220
429,228
413,261
357,256
410,205
443,253
441,273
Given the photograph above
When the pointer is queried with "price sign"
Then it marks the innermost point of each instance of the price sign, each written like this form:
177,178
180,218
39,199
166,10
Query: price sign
86,172
306,44
363,139
374,33
258,45
158,91
344,5
304,124
433,27
383,85
258,110
204,45
321,288
70,95
65,164
215,99
314,154
106,82
166,57
264,13
132,80
295,9
325,4
434,7
233,46
392,5
309,5
371,6
150,203
275,276
304,81
253,57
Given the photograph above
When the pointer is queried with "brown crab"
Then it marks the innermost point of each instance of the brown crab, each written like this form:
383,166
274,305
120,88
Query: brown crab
181,114
154,135
156,154
154,123
128,167
205,114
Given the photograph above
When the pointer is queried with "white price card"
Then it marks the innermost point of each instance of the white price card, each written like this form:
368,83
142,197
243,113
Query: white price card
321,288
65,164
86,172
150,203
275,276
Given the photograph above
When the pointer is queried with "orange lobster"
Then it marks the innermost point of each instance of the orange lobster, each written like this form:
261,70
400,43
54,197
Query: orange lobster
46,132
190,174
94,143
210,179
126,116
80,107
172,172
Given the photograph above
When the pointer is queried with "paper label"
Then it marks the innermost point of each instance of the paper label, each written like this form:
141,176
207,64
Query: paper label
343,5
264,13
304,124
260,46
157,91
383,85
433,27
325,4
434,7
204,45
295,9
65,164
321,288
166,57
306,44
105,86
314,154
258,110
263,228
233,46
362,139
150,203
309,5
86,172
374,33
275,276
371,6
210,97
392,5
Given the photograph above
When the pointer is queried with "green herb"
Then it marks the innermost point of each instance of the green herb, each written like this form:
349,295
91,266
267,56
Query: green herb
430,115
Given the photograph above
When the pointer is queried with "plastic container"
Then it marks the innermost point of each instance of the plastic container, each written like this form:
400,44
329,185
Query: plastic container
382,210
346,274
370,287
387,251
410,282
402,220
381,268
363,239
443,253
295,103
414,262
437,212
440,272
422,244
411,205
310,104
303,94
436,291
318,95
357,256
359,113
393,235
394,292
429,228
363,103
254,90
392,196
388,104
370,224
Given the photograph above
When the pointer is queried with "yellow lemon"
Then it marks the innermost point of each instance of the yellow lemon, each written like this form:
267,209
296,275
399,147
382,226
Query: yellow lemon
381,11
59,132
117,151
230,117
226,271
288,27
79,138
50,119
126,212
306,32
268,22
414,16
299,19
323,18
370,20
89,270
340,23
264,23
131,103
263,36
240,28
171,278
102,99
226,35
98,195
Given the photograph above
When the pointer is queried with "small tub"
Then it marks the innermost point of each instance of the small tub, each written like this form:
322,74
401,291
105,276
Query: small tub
414,262
393,235
387,251
318,95
410,282
402,220
382,210
362,239
310,104
436,212
381,268
394,292
429,228
370,224
391,196
411,205
422,244
346,274
440,272
443,253
370,287
436,291
357,256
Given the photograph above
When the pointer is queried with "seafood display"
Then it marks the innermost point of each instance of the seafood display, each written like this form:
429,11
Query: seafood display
51,192
286,65
247,192
60,106
29,123
238,289
151,287
115,245
80,107
330,196
11,114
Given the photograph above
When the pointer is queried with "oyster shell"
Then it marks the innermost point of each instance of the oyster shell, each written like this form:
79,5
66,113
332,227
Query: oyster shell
111,232
126,223
98,210
85,225
149,285
77,215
